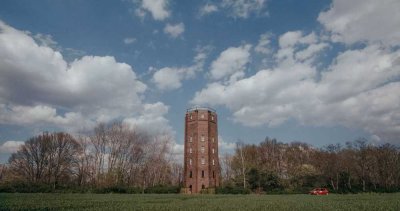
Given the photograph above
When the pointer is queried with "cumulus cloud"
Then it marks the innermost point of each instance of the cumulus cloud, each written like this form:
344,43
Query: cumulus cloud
208,9
152,119
357,90
38,87
177,152
170,78
297,47
41,115
10,146
292,38
225,147
157,8
231,63
363,21
174,30
46,40
263,44
243,8
129,40
310,51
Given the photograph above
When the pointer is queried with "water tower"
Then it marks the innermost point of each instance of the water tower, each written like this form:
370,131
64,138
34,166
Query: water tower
201,163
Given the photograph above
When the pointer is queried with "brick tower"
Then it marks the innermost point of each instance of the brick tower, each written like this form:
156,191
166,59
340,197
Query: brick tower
201,163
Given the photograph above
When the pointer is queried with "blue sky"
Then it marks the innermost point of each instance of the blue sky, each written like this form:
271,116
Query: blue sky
315,71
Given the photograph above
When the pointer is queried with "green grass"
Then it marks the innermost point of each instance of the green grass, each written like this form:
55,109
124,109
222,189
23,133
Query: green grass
48,201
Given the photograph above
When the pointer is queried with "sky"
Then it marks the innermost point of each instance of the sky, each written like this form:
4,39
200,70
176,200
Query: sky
316,71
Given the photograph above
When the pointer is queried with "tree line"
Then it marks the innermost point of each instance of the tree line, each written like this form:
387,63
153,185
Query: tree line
273,166
118,158
113,158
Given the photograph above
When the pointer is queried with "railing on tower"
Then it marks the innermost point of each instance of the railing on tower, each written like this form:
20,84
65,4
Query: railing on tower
194,108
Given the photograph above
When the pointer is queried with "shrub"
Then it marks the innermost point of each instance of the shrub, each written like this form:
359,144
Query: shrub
232,190
163,189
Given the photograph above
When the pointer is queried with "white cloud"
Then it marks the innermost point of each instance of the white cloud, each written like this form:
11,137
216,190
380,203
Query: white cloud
292,38
231,63
46,40
152,119
157,8
263,44
363,20
10,146
174,30
243,8
177,152
296,47
208,9
225,147
129,40
41,115
170,78
357,71
357,90
39,88
310,51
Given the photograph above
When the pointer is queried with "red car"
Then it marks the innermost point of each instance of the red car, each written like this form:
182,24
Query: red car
319,191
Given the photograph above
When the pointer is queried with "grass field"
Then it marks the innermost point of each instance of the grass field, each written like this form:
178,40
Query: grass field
19,201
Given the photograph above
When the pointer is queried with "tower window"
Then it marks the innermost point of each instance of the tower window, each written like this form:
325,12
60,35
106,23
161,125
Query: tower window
190,138
190,174
191,117
213,150
190,150
213,162
202,174
190,161
212,117
213,174
202,149
203,161
203,187
202,138
212,139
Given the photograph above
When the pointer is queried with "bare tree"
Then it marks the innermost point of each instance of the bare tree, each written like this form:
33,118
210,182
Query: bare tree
226,168
239,148
45,158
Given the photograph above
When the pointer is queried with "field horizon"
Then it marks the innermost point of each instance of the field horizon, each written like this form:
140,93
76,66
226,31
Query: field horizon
47,201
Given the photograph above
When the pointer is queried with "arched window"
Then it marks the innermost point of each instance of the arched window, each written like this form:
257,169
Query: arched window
203,187
202,149
190,174
202,174
213,174
203,161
